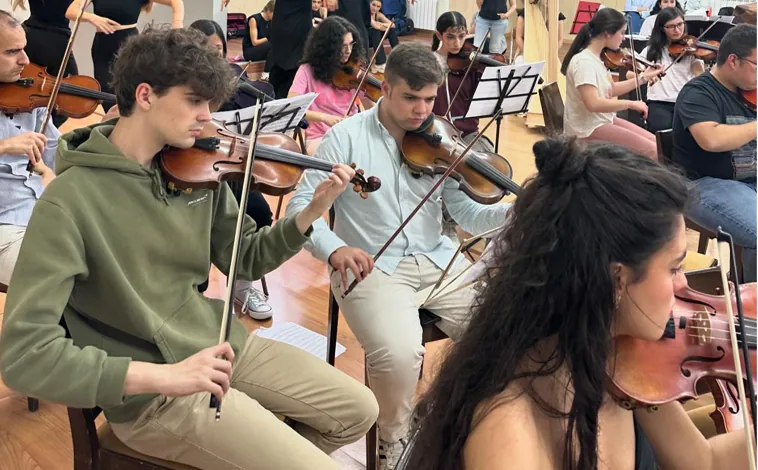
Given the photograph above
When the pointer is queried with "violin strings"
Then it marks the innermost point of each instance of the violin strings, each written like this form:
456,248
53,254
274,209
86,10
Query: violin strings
739,333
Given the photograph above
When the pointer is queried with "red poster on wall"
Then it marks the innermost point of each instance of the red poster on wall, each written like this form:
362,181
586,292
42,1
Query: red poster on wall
584,13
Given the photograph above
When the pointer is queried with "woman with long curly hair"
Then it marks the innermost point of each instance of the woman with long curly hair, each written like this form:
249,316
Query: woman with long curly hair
661,97
331,45
526,385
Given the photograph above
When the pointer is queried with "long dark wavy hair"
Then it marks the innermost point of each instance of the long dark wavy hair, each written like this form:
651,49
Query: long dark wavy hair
657,8
447,20
658,39
323,48
587,208
606,20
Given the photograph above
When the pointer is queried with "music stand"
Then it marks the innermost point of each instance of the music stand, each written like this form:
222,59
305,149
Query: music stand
696,26
278,115
507,88
584,13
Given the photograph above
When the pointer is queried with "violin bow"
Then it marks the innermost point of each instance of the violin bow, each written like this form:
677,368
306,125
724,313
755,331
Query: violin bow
427,196
468,69
724,240
365,74
634,66
59,78
231,277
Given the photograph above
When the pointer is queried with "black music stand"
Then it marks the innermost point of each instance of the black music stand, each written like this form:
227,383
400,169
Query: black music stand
278,115
696,28
507,88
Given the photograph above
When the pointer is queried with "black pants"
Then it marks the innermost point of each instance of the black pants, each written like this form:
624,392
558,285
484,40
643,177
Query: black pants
45,46
281,80
259,52
104,48
660,115
374,36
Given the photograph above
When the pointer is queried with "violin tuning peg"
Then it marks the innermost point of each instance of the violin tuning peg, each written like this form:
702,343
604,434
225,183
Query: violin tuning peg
360,172
364,195
171,186
352,165
188,191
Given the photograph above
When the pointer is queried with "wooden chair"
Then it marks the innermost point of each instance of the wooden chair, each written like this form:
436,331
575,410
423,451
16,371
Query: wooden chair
552,108
430,332
31,403
664,141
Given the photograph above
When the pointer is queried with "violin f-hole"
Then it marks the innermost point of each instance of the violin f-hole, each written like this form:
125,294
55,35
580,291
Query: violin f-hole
687,373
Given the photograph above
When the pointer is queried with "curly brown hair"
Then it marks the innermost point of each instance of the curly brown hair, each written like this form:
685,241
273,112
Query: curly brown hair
323,48
169,58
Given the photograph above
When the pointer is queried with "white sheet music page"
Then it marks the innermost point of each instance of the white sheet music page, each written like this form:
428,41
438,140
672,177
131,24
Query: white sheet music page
521,88
278,115
300,337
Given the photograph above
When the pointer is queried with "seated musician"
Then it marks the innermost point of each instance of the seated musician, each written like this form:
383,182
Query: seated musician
590,110
379,24
715,141
253,301
124,277
526,385
648,25
381,310
19,143
255,44
334,43
669,27
449,38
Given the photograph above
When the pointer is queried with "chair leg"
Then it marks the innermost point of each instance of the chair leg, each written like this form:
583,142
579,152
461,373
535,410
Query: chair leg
32,404
372,437
331,328
264,286
279,208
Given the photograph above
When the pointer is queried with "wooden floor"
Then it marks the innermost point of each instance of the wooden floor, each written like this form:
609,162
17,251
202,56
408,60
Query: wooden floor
298,290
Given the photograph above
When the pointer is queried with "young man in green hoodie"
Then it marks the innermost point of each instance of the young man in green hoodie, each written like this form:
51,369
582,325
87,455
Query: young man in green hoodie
119,257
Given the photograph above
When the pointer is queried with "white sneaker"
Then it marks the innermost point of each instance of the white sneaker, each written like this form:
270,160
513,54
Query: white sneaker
390,453
264,77
253,303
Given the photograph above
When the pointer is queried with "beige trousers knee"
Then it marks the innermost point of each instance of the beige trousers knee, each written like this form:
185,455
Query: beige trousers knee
383,314
11,237
331,410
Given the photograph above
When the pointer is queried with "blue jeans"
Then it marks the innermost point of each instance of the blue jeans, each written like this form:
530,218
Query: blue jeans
497,29
730,204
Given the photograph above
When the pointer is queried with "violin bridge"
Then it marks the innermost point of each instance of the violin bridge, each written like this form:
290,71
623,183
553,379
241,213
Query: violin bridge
702,325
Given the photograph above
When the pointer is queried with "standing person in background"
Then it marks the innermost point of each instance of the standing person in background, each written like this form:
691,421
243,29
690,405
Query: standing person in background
119,18
493,17
293,20
647,26
255,45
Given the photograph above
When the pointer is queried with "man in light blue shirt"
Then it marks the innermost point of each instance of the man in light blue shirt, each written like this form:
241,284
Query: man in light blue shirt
381,310
19,143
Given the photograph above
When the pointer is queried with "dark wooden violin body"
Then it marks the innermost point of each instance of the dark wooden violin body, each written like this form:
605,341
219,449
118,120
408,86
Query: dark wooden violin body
458,63
747,97
695,345
78,97
220,155
622,60
348,77
689,45
483,176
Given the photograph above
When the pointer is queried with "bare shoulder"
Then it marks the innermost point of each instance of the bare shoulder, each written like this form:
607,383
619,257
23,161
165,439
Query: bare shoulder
506,436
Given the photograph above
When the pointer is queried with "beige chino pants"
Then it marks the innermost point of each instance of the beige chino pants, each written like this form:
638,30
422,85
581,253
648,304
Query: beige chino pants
11,237
331,410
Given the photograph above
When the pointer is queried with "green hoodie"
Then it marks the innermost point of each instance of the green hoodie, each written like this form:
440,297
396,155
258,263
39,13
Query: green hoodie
120,259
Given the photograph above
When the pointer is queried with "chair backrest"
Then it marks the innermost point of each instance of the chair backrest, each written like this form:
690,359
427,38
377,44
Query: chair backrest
664,141
84,436
552,108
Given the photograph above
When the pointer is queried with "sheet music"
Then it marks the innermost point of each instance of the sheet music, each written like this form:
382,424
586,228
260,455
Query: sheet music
522,87
300,337
278,115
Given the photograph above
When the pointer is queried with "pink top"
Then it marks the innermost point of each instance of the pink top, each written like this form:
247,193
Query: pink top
330,100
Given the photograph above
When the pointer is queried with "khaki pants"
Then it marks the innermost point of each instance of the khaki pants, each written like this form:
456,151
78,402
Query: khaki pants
383,315
11,237
331,410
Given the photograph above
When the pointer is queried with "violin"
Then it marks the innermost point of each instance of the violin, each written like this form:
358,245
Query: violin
696,344
747,97
485,177
348,77
219,155
689,45
78,97
458,63
621,59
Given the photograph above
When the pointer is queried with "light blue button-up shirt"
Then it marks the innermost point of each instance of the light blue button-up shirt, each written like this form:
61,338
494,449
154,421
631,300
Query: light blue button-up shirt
368,224
18,190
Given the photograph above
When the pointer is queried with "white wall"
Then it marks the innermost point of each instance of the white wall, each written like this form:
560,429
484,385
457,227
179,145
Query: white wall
193,10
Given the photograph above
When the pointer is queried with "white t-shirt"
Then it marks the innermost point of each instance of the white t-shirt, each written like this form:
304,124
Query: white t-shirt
586,68
667,88
647,26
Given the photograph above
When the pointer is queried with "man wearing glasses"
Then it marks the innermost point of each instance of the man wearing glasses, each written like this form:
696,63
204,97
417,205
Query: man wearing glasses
715,141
